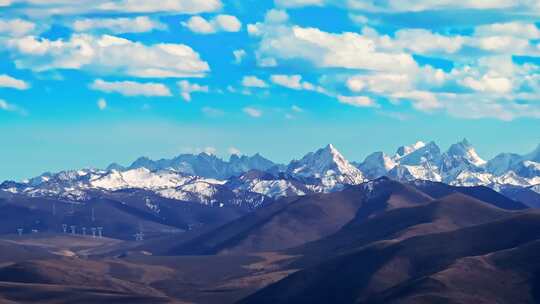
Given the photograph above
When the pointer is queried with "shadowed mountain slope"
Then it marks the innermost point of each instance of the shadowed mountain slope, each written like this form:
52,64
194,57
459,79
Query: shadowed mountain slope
293,222
361,276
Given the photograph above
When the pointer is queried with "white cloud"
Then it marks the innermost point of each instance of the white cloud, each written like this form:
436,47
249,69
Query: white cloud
5,106
518,7
44,8
328,50
16,27
172,6
239,55
187,88
139,24
298,3
7,81
359,19
483,67
220,23
357,101
234,151
425,5
267,62
131,88
514,29
276,16
421,100
295,82
475,106
425,42
380,82
102,104
108,55
489,83
253,112
253,82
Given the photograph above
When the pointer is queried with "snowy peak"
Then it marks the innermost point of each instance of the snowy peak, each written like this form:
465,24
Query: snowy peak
430,153
503,162
466,151
462,160
329,166
376,165
325,161
204,164
406,150
208,179
241,164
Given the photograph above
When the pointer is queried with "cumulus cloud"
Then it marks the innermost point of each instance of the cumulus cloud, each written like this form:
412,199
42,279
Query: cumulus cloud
254,82
67,7
488,83
253,112
298,3
102,104
139,24
220,23
349,50
357,101
398,6
386,66
187,88
239,55
421,100
7,81
295,82
476,106
422,41
131,88
514,29
428,5
275,16
16,27
107,55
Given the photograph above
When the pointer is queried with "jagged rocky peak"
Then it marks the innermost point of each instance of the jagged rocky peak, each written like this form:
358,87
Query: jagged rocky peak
246,163
503,163
143,162
116,167
376,165
325,161
327,168
427,153
405,150
205,164
465,150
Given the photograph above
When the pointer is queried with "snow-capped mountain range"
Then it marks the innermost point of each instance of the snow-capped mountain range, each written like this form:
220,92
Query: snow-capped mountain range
250,180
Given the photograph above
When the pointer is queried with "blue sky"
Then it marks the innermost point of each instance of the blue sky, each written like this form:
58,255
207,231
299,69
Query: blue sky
95,82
